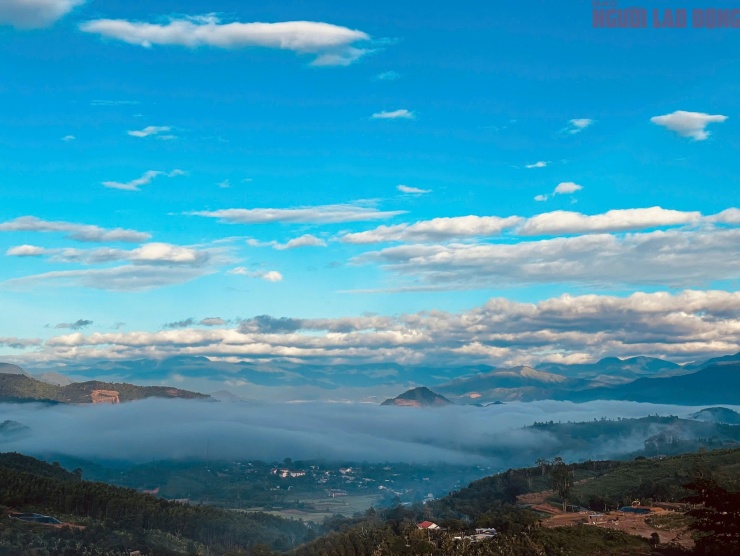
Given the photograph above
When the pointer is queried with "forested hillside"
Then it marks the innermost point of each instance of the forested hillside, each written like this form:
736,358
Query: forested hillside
123,519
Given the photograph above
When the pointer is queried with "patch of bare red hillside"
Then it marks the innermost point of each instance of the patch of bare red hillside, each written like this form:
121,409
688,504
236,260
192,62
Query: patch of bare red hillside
105,396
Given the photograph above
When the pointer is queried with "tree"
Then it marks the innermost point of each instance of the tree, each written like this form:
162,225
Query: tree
561,479
717,518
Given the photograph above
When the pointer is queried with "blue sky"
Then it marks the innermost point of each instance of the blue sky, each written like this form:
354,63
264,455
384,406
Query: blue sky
156,161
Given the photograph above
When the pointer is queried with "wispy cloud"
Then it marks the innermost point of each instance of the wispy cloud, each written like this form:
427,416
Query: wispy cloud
412,190
161,132
688,124
306,240
34,14
401,114
538,164
577,125
69,138
145,179
332,45
322,214
149,266
79,232
105,102
388,76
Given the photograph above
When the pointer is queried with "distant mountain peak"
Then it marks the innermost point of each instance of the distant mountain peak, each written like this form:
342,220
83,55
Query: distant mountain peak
10,369
418,397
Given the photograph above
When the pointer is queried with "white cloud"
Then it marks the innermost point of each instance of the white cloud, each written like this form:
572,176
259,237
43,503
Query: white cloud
145,179
331,44
226,184
728,216
150,130
306,240
270,275
322,214
688,124
166,252
538,164
577,125
401,114
563,188
69,138
566,222
33,14
412,190
26,251
437,229
79,232
566,188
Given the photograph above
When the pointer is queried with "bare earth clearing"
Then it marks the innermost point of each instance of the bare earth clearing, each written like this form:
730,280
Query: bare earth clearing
634,524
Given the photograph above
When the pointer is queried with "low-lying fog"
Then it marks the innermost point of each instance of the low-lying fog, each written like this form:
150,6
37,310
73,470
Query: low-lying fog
157,429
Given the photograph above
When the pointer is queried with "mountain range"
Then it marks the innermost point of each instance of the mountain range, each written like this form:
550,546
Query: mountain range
641,378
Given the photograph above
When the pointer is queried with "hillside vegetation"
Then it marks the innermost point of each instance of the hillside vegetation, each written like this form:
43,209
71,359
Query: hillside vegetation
22,388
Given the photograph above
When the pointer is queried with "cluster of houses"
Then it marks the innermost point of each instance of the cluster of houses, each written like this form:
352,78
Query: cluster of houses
480,534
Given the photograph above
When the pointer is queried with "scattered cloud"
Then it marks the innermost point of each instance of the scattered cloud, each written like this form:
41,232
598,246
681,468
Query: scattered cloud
76,325
388,76
688,124
79,232
161,132
322,214
563,188
412,190
145,179
306,240
577,125
270,275
226,184
19,343
437,229
35,14
69,138
401,114
538,164
332,45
